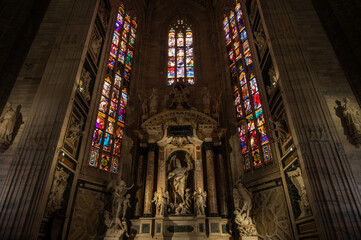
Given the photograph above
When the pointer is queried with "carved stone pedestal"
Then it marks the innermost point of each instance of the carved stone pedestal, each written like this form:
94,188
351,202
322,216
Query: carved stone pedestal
218,228
142,228
249,238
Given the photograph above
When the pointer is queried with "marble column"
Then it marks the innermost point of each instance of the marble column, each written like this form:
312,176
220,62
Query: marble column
221,183
139,195
211,179
149,179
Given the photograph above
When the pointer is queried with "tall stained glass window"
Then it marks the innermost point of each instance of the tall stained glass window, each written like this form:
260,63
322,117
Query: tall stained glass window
252,131
109,127
180,53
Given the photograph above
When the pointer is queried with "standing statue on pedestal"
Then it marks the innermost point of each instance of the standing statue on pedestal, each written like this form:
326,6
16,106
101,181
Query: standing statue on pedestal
243,205
200,201
120,203
206,100
178,182
161,200
153,102
145,110
280,127
297,180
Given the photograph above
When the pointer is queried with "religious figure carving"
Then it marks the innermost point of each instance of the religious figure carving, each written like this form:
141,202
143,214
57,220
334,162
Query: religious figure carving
297,180
245,224
242,195
57,191
84,83
7,124
280,127
96,43
179,96
75,131
145,109
180,141
153,102
260,39
161,200
115,227
217,105
206,100
274,80
200,201
352,119
120,202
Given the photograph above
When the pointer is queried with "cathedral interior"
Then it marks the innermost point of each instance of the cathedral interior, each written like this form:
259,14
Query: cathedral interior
180,119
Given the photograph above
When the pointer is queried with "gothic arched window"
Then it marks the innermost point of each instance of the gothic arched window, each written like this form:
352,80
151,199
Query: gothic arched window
109,128
255,146
180,53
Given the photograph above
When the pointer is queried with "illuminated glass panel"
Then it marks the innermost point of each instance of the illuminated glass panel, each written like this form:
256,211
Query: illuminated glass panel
109,126
180,54
252,130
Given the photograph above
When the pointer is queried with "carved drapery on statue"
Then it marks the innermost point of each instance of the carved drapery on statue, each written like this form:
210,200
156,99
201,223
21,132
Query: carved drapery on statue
180,182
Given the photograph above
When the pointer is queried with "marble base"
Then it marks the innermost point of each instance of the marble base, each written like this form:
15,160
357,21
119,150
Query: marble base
218,228
113,238
249,238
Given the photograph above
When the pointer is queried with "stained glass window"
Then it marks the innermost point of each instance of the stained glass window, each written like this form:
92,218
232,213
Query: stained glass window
252,131
109,127
180,53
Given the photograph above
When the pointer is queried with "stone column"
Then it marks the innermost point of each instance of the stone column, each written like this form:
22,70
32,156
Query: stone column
221,183
211,179
149,179
139,195
334,195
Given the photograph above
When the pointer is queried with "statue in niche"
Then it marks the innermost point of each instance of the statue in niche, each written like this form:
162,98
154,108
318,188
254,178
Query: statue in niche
177,177
260,39
280,127
352,119
200,198
297,180
161,199
153,102
96,43
145,109
273,79
206,100
7,124
84,83
217,105
57,191
75,131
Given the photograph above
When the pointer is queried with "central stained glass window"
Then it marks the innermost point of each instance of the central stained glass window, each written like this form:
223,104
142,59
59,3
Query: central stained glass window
180,53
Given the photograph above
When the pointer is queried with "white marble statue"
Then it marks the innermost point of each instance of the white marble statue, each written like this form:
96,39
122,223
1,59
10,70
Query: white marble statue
242,198
178,177
145,109
96,44
84,83
200,198
161,200
119,200
245,224
7,124
116,229
297,180
352,119
153,102
57,191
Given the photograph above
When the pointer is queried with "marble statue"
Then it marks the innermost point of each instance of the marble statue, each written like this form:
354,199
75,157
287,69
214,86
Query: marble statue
153,102
145,109
297,180
200,201
179,96
161,200
217,105
274,80
57,191
242,195
7,124
206,100
116,229
245,224
75,131
84,83
96,44
260,39
119,200
280,127
352,119
178,177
